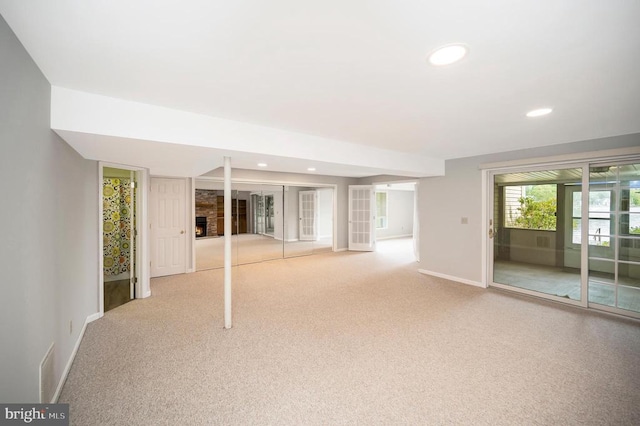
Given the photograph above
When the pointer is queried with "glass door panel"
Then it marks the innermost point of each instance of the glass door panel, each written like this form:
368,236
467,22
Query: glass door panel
535,224
614,236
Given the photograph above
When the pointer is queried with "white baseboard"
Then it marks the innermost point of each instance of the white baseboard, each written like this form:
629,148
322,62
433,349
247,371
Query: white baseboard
452,278
342,249
67,368
146,294
391,237
91,318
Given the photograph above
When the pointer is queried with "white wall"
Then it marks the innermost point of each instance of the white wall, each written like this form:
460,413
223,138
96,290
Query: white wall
49,250
399,214
446,245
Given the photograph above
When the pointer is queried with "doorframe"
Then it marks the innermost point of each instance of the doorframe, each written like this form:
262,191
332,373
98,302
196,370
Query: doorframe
189,215
582,159
415,231
142,286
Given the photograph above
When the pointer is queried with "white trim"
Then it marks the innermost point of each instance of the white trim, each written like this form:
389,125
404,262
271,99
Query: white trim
192,216
452,278
189,217
615,311
341,249
100,239
486,247
391,237
143,286
72,357
567,159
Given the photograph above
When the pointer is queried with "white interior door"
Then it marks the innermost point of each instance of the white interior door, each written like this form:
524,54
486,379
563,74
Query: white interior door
168,230
308,211
362,236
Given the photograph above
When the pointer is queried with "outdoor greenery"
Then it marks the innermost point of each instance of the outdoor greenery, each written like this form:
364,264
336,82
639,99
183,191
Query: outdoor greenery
537,214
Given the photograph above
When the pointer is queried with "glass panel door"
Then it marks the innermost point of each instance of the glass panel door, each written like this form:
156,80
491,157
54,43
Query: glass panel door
532,227
614,236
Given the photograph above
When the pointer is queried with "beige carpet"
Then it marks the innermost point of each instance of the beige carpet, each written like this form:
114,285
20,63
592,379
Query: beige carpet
352,338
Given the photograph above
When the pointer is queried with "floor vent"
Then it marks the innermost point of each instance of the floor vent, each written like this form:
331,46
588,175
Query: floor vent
47,377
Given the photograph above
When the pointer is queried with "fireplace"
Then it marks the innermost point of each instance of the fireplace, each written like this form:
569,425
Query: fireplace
201,226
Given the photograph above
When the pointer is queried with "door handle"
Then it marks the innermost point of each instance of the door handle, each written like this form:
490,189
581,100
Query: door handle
490,232
182,232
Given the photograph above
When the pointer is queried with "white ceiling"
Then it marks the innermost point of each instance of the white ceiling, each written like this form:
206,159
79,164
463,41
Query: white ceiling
356,71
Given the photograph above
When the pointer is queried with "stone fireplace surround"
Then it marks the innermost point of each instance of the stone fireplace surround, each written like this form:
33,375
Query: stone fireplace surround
207,206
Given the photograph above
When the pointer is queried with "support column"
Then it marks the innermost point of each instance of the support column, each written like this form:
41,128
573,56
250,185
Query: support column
227,242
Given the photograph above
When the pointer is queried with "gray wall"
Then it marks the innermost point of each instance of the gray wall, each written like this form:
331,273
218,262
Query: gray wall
399,214
48,255
451,248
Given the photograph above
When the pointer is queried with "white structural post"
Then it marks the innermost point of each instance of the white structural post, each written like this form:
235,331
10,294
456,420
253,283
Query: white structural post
227,242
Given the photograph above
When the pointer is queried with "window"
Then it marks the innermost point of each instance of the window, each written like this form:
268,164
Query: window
599,218
530,206
381,210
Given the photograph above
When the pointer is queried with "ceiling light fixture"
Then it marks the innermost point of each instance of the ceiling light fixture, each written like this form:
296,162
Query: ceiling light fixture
448,54
311,169
539,112
262,164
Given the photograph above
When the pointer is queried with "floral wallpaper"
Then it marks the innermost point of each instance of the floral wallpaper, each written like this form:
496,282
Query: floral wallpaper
117,217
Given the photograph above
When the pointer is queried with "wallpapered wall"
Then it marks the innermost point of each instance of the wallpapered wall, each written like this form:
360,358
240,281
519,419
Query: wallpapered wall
117,219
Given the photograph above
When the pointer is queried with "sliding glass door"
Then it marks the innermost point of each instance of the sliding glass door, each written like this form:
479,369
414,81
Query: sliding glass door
541,243
614,236
531,229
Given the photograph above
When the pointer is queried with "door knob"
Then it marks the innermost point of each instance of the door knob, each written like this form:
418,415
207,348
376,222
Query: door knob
490,232
182,232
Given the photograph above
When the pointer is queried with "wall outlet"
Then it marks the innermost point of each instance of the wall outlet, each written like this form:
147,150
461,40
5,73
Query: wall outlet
464,220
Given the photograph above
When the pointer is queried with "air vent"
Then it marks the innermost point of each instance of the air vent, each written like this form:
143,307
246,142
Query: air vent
542,242
47,377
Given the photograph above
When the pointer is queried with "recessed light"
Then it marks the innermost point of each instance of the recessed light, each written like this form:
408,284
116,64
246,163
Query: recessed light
311,169
539,112
262,164
448,54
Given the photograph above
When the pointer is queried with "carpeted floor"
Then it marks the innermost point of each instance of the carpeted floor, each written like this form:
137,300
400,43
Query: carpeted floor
351,338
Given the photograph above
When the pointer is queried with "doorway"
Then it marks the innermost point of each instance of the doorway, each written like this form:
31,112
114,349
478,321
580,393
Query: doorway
544,240
119,215
397,215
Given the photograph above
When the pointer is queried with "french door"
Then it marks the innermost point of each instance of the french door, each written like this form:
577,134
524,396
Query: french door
308,211
362,205
568,233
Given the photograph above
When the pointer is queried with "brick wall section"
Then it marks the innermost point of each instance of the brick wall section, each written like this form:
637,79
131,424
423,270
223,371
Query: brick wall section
207,206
